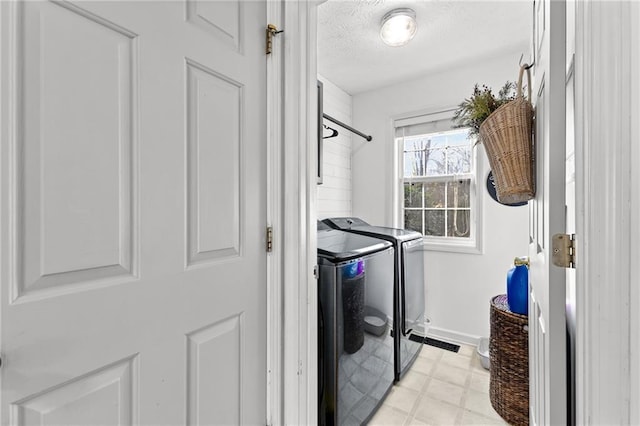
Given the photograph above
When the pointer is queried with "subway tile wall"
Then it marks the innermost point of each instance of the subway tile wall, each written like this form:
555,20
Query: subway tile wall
334,195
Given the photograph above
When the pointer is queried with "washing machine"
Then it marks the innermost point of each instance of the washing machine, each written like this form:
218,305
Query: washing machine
355,312
409,294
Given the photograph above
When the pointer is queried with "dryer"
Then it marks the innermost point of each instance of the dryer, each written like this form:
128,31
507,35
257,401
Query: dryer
409,294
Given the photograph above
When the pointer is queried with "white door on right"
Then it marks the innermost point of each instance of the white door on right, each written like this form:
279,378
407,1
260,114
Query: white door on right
547,319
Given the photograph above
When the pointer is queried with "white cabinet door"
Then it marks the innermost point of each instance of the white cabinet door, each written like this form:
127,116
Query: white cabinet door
547,321
132,212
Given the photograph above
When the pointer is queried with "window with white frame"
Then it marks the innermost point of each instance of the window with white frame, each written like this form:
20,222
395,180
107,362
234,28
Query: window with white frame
437,182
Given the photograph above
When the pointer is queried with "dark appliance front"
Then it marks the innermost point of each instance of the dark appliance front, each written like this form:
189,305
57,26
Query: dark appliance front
409,296
355,349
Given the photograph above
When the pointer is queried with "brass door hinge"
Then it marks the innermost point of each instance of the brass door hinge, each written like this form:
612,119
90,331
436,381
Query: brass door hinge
269,239
271,31
564,250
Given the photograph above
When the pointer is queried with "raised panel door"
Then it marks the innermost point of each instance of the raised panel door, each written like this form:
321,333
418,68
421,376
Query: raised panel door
132,213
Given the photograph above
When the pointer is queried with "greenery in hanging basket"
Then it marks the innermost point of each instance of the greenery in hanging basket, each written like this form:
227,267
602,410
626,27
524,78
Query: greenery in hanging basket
482,102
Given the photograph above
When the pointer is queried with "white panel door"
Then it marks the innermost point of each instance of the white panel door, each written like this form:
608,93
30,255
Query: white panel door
132,212
547,321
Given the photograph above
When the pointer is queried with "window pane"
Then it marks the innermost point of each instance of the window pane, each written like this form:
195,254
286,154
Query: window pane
413,220
459,138
417,143
459,193
416,152
434,195
434,203
434,223
435,161
414,163
437,140
459,159
413,194
458,223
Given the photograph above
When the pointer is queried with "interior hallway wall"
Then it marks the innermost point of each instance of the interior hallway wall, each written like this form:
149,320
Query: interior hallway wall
334,195
458,286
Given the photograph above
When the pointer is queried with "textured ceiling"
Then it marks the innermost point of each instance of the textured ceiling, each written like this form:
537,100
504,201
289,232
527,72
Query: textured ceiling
450,33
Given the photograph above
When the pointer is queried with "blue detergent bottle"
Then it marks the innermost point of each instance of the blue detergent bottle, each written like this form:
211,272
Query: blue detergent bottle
353,269
518,286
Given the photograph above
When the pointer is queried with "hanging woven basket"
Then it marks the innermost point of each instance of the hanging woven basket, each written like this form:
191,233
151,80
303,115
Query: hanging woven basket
508,140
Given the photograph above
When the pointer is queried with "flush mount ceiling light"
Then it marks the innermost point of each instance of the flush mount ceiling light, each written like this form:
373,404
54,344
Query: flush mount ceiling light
398,27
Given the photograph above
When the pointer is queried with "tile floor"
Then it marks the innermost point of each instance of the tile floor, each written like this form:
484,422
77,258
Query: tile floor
441,388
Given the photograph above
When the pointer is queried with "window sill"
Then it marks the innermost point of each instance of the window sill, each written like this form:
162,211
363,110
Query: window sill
466,247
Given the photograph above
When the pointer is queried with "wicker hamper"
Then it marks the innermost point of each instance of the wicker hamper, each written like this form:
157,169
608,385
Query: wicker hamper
507,136
509,363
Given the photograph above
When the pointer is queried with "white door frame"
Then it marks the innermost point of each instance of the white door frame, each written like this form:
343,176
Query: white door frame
607,196
292,361
275,206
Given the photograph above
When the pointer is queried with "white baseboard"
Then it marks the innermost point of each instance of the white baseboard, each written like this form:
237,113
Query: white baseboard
453,336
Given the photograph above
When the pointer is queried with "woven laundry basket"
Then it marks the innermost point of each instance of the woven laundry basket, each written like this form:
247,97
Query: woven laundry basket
507,135
509,363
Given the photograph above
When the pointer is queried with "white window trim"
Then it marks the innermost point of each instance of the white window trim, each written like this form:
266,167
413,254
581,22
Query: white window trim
472,245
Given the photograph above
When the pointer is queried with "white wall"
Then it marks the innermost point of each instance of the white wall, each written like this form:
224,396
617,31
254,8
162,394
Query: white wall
334,195
458,286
